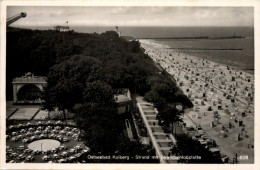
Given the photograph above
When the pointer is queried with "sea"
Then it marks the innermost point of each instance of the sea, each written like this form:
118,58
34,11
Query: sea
241,56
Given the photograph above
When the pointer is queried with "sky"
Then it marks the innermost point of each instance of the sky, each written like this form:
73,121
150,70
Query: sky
132,16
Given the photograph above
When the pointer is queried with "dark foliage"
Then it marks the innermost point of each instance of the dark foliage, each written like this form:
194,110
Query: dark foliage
82,69
186,146
69,80
101,131
123,63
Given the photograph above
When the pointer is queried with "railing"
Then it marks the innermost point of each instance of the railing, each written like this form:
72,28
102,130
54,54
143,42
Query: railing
150,133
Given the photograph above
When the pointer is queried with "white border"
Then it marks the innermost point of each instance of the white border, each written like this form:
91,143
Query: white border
4,3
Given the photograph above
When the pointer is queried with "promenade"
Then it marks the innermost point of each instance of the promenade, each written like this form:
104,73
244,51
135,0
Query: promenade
161,141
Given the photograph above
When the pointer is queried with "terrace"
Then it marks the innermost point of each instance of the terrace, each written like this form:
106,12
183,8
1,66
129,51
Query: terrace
44,142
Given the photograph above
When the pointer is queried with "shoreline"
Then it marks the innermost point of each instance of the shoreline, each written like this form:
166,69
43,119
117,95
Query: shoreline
167,47
192,74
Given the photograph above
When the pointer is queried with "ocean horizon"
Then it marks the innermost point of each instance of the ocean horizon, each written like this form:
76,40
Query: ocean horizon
242,59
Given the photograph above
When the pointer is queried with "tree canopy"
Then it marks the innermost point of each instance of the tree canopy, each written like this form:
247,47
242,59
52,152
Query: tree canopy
188,146
100,127
83,69
69,80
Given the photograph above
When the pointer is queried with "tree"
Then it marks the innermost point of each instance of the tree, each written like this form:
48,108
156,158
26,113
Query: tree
99,123
187,146
170,115
98,92
63,96
174,117
182,98
134,46
83,69
67,81
152,96
134,148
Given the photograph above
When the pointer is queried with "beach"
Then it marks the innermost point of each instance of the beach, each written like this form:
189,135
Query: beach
223,98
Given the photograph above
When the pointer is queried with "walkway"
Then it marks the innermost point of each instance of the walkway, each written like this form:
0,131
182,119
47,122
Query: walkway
161,141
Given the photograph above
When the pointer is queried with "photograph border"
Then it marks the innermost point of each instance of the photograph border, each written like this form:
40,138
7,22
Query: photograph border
233,3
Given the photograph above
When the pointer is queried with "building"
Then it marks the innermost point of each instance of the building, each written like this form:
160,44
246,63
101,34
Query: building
117,31
62,28
123,99
127,38
28,88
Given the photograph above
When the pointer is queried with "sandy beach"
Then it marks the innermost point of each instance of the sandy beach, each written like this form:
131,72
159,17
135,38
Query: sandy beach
223,99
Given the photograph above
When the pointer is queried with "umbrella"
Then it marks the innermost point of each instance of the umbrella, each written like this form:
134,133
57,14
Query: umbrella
20,125
28,158
40,128
78,147
72,157
45,156
56,156
64,153
13,139
22,130
85,150
72,150
13,154
21,147
61,160
21,155
78,155
65,139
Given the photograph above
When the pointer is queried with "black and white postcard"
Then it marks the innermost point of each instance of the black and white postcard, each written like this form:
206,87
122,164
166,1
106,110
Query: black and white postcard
109,85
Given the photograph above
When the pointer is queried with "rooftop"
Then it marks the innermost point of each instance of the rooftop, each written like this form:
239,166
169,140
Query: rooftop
30,78
120,98
122,95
